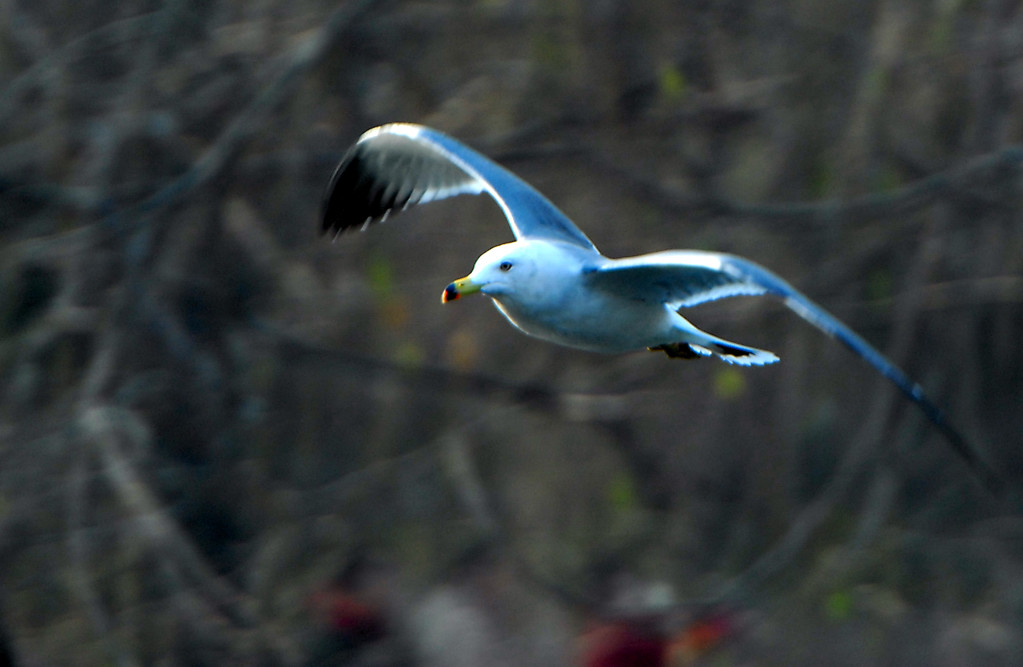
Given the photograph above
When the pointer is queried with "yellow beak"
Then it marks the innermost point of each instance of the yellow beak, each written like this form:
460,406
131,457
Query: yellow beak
460,287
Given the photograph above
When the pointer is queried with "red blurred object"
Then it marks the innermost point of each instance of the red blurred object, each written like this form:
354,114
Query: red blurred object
645,643
355,620
703,634
624,645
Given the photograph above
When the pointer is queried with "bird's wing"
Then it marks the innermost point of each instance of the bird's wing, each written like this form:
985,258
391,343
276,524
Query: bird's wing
679,278
682,278
393,167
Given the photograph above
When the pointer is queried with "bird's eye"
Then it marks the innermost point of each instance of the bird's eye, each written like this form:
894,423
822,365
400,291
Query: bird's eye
505,266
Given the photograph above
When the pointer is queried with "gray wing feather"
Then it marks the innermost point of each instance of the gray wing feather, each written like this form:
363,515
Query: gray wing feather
678,278
396,166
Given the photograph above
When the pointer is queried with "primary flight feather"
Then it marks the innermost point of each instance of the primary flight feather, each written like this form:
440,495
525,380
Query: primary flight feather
553,283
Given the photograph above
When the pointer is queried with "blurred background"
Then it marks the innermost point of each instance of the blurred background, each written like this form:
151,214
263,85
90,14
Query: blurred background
225,439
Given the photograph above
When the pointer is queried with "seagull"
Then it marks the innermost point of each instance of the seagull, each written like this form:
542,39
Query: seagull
552,283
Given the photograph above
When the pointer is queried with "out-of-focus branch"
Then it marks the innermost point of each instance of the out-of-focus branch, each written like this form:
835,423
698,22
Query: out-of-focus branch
858,457
986,88
456,446
887,44
106,427
949,295
880,499
982,170
293,347
472,490
82,577
54,62
221,154
251,120
996,165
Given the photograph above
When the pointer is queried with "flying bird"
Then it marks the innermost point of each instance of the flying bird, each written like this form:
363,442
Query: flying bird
552,282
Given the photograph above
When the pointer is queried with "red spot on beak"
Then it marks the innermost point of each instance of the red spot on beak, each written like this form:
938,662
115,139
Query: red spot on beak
450,293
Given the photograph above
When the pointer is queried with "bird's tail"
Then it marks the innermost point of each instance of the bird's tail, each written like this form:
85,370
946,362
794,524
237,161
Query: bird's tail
732,353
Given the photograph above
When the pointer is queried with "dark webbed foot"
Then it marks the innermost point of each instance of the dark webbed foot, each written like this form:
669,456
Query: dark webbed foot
677,350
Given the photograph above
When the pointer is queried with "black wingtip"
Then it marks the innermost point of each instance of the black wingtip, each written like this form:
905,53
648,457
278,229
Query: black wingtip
343,197
995,483
361,193
990,478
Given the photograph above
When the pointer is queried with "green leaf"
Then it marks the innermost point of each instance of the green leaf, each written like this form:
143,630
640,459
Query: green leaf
879,285
673,83
729,383
838,605
409,355
622,492
821,178
380,275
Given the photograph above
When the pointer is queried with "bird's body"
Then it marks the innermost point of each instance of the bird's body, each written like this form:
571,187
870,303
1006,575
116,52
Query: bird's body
540,295
539,304
553,283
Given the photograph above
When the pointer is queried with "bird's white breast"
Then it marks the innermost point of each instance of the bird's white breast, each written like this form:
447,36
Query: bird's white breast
603,323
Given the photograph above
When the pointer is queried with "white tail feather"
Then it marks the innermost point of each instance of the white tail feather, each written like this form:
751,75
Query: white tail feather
740,354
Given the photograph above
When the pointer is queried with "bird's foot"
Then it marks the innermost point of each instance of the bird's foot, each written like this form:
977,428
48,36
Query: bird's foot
677,350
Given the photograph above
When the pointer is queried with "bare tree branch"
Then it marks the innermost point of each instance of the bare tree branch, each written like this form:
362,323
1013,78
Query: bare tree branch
104,426
81,571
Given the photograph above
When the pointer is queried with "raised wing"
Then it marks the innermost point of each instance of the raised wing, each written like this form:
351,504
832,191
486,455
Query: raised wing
393,167
682,278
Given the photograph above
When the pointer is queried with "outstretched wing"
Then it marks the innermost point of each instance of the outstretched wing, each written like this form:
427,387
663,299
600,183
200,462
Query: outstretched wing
393,167
682,278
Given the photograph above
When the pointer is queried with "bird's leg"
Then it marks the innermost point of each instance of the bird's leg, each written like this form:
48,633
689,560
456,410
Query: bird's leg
677,350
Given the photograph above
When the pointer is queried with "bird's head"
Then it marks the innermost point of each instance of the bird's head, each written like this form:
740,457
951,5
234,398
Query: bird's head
504,271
